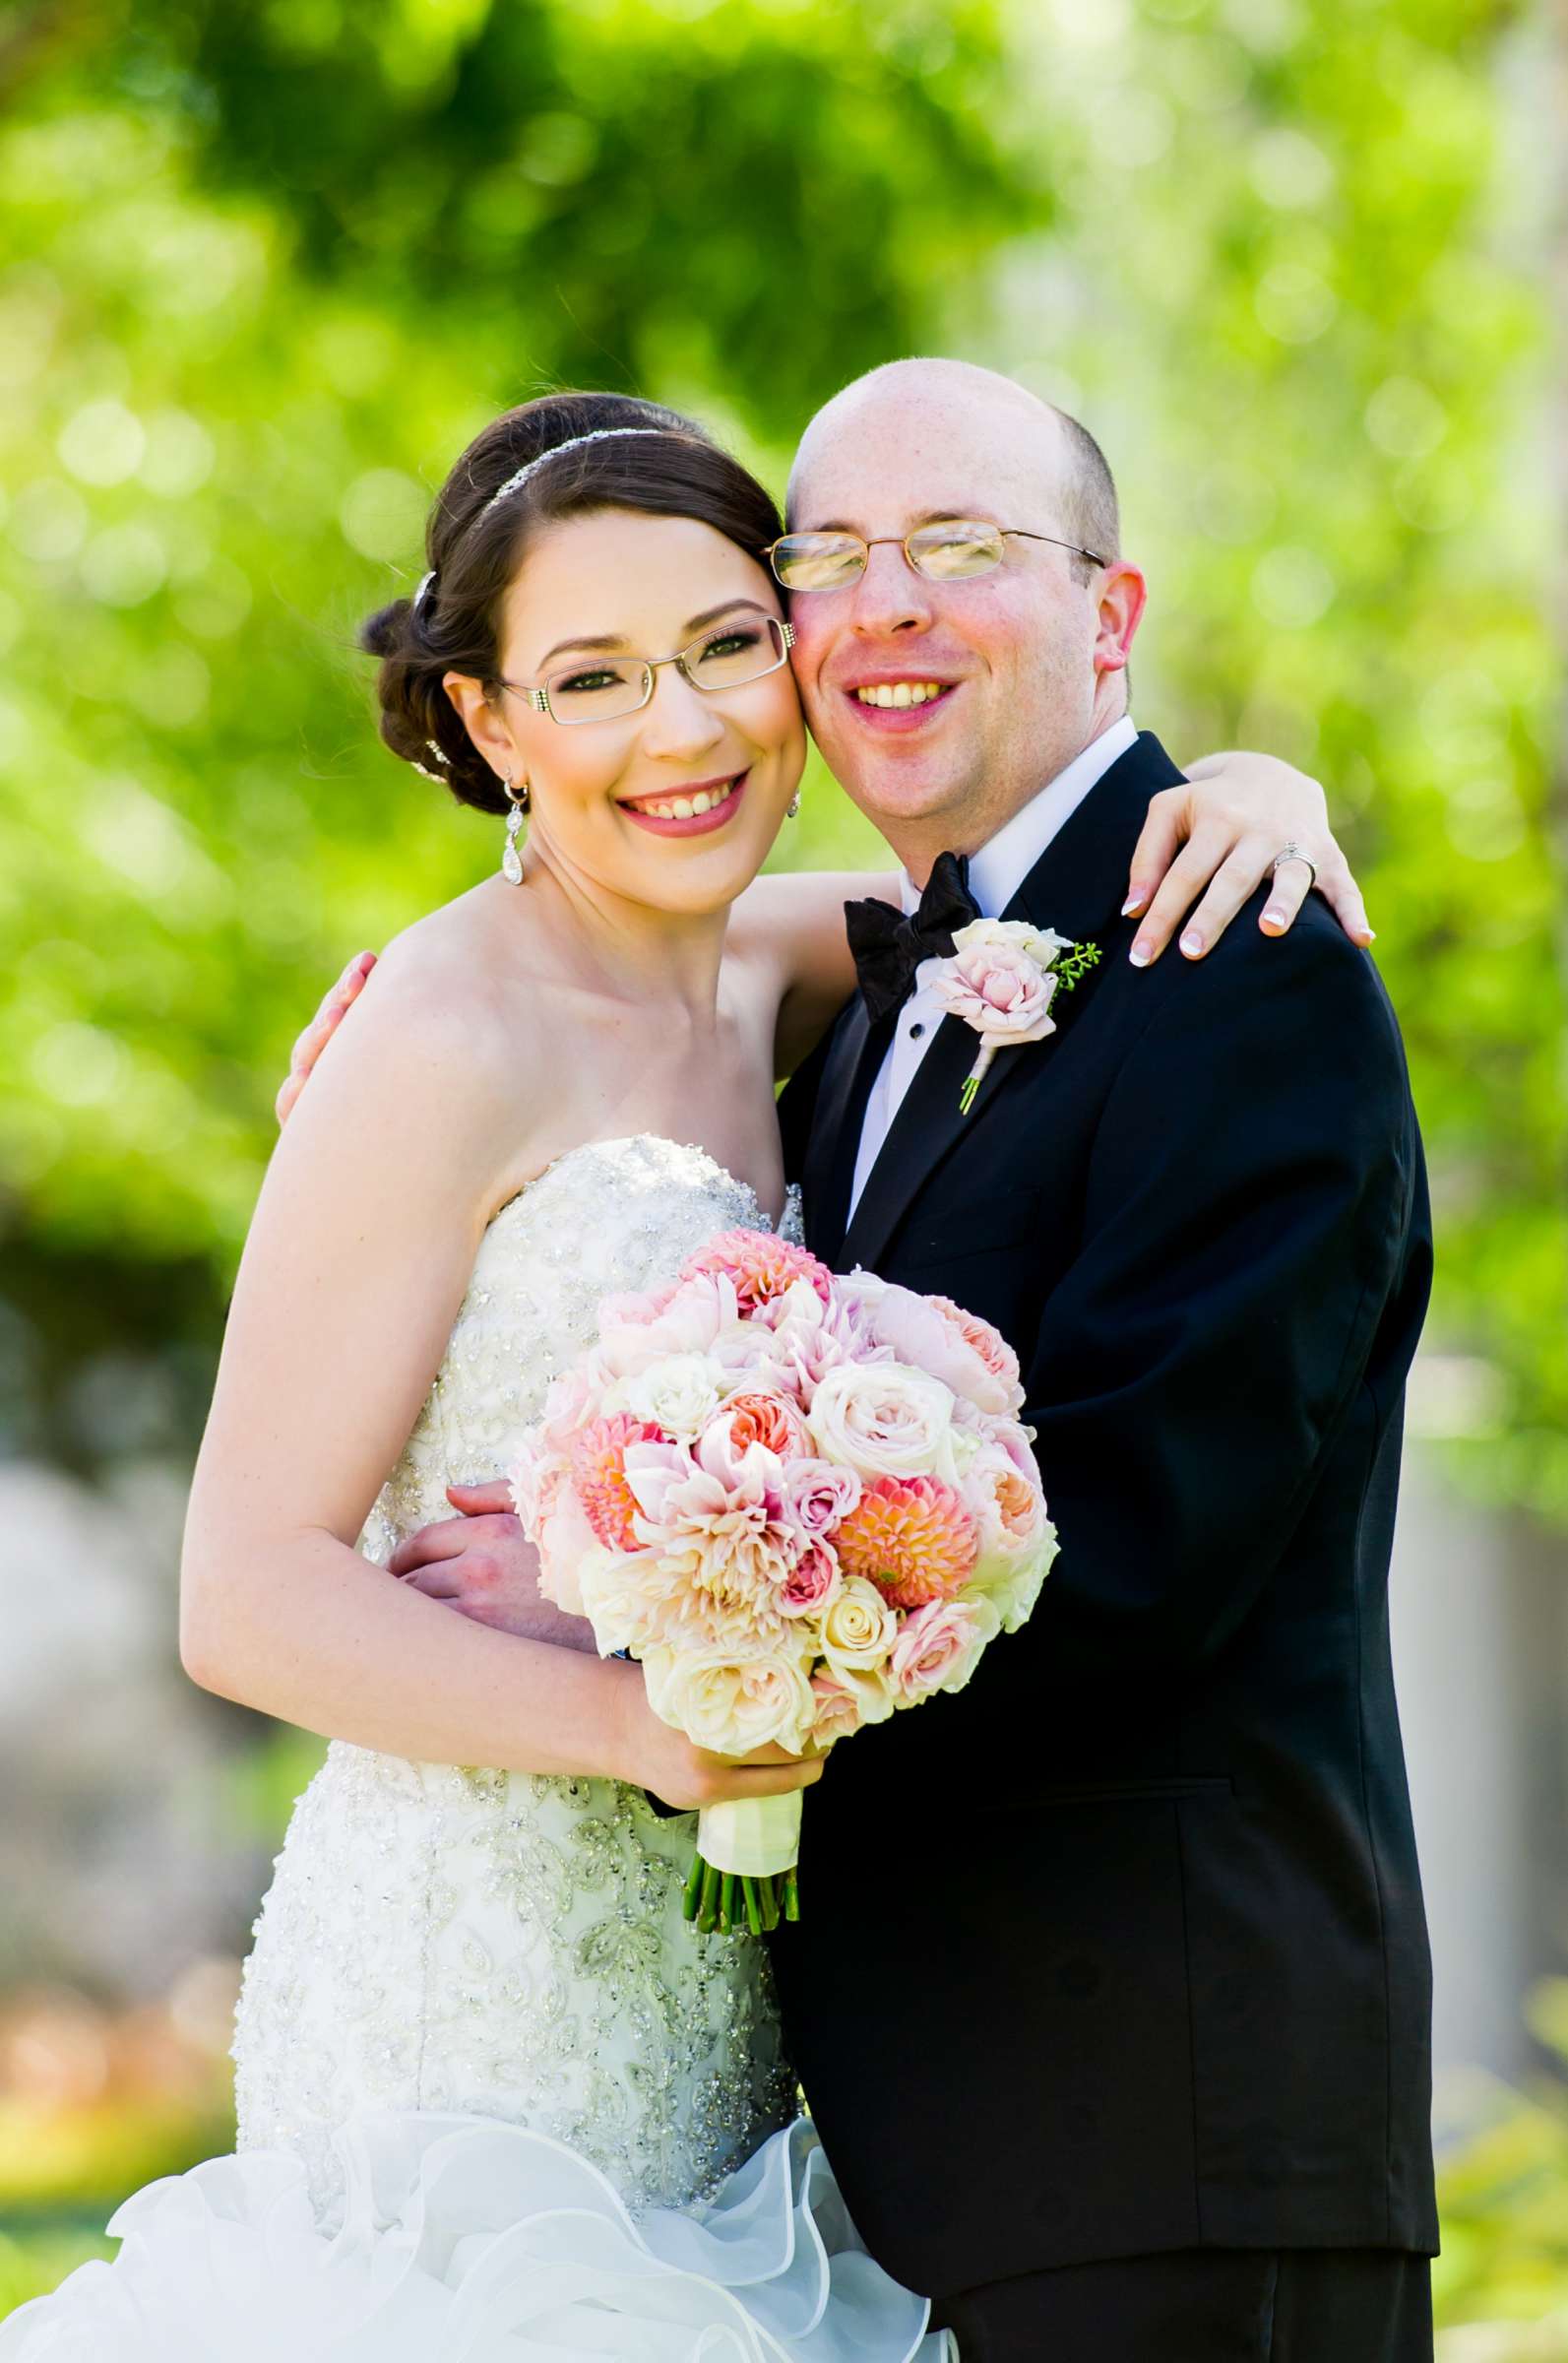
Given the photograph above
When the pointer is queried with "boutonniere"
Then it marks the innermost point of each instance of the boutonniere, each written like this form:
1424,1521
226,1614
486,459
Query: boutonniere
1001,979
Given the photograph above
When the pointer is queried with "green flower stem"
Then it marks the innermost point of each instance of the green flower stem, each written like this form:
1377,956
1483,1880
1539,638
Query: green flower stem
694,1884
791,1895
726,1903
708,1918
753,1906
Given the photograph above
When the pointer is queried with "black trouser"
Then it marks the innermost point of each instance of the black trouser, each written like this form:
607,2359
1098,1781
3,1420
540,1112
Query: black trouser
1204,2306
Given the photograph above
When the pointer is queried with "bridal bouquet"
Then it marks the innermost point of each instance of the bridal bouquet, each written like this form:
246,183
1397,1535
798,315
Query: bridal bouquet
803,1501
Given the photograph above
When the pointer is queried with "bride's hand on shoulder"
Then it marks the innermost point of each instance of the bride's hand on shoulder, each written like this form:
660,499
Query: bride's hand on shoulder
1221,829
323,1025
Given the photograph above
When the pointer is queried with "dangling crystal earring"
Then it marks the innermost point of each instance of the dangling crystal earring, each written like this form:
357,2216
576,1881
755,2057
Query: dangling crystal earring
510,858
792,807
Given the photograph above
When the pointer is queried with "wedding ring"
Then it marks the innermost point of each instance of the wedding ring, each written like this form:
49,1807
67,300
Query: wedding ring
1293,853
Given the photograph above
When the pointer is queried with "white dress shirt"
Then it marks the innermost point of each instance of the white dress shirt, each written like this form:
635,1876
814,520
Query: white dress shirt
996,872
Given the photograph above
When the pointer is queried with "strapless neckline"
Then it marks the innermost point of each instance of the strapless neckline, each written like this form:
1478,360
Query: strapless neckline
660,1140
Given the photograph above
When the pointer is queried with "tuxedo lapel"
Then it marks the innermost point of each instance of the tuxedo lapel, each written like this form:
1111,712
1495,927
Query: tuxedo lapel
928,1122
1076,888
858,1049
1080,882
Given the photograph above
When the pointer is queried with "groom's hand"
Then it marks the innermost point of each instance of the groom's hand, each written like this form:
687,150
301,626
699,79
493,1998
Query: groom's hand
323,1025
484,1566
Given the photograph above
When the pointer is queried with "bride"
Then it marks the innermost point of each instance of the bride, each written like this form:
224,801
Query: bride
496,2098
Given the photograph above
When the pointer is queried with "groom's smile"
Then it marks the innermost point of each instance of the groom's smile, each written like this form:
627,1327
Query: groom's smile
901,703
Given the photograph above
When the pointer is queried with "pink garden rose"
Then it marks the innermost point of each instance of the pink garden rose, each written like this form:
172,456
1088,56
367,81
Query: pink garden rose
752,1421
695,1318
938,1336
566,1543
813,1583
849,1698
837,1714
940,1647
999,980
818,1495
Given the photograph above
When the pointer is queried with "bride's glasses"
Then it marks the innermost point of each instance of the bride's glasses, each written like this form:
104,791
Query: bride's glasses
607,689
951,550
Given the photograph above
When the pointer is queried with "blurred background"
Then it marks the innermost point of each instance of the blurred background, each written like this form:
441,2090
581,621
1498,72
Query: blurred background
265,266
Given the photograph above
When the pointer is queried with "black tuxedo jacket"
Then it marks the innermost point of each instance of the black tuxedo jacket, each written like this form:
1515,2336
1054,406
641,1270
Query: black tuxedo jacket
1122,1948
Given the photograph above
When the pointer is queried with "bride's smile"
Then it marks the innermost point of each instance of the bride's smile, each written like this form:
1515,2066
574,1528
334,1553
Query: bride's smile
689,811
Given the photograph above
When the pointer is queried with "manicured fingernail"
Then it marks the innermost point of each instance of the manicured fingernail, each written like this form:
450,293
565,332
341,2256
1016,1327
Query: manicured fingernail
1274,918
1141,954
1135,901
1370,934
1192,944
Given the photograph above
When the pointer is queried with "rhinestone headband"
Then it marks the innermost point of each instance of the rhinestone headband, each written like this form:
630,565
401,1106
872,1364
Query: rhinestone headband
600,435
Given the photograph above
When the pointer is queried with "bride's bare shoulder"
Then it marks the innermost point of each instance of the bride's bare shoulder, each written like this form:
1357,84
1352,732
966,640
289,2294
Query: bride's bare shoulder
439,1011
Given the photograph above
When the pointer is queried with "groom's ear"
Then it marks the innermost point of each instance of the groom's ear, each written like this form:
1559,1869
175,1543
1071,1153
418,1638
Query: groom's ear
1122,594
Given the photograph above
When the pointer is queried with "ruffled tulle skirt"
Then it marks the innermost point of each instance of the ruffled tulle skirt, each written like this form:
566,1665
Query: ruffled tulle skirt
469,2241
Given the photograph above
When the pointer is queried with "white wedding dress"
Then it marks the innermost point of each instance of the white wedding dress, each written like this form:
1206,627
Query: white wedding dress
498,2102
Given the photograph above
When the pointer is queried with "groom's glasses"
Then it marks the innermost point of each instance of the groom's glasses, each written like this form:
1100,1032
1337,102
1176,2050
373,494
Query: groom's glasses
607,689
953,550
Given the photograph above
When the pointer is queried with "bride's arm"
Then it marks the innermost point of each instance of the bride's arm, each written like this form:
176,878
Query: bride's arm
358,1260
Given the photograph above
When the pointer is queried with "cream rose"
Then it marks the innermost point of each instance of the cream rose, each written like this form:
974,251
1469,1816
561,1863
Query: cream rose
859,1628
730,1703
622,1594
1012,1583
882,1421
679,1393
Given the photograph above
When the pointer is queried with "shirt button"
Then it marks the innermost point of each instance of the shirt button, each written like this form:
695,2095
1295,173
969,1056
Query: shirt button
915,1030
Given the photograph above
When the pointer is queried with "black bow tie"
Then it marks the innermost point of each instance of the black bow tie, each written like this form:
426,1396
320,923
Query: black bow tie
889,947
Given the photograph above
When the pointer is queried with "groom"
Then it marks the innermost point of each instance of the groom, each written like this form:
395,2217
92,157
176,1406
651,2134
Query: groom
1113,1998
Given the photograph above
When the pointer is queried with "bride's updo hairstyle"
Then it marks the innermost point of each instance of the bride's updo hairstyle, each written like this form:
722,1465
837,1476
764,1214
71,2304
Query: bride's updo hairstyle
670,467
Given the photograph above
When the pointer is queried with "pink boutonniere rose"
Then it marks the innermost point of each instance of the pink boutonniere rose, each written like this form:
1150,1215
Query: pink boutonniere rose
1001,979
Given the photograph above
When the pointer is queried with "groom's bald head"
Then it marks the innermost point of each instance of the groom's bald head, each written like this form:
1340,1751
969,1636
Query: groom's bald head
1010,672
932,402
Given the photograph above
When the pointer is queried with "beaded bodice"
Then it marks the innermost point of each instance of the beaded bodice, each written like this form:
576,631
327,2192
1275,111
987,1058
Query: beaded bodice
451,1938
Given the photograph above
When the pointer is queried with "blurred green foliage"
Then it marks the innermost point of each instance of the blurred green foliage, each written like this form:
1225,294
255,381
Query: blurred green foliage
269,264
1505,2217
